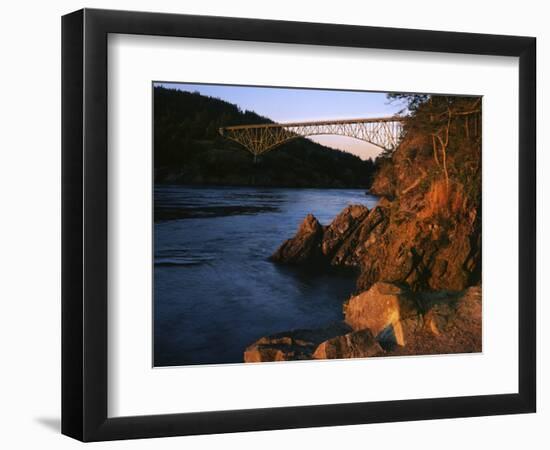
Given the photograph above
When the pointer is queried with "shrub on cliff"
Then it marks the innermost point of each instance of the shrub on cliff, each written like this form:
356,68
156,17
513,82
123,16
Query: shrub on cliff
441,148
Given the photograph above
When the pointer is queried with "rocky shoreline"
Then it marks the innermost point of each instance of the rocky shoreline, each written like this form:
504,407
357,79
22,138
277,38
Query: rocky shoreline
387,318
417,253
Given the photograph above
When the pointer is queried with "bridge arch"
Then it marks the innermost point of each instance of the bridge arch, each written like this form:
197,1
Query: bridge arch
384,132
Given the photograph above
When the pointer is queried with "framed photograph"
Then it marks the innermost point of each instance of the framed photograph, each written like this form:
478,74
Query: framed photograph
273,224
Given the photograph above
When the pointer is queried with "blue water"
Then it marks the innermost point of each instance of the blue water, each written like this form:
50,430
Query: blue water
216,292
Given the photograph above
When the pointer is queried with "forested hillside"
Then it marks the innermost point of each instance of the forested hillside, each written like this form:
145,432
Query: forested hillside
189,150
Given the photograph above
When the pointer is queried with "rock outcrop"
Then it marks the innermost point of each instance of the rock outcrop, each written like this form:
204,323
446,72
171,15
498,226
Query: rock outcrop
366,234
314,243
341,228
392,246
304,247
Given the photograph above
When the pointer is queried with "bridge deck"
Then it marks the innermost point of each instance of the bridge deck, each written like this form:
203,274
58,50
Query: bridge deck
384,132
317,122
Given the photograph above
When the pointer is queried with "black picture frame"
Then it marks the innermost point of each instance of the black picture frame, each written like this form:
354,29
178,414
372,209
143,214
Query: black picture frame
84,224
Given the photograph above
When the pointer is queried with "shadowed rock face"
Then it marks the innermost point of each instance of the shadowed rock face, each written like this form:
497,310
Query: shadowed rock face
314,243
367,233
304,247
341,228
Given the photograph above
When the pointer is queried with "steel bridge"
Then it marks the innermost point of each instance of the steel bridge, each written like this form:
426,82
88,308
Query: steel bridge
384,132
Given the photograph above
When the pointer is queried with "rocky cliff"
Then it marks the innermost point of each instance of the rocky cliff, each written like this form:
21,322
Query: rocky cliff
417,253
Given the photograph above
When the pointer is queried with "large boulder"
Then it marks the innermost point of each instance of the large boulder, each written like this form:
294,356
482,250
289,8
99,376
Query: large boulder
292,345
305,246
357,344
387,310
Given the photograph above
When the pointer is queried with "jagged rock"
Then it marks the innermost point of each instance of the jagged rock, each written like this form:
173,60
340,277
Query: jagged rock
357,344
367,233
292,345
386,309
305,246
313,243
341,227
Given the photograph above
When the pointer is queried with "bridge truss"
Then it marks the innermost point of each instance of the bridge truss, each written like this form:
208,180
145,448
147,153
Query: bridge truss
384,132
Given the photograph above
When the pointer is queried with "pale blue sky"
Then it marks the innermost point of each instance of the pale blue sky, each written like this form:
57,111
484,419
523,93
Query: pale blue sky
287,105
